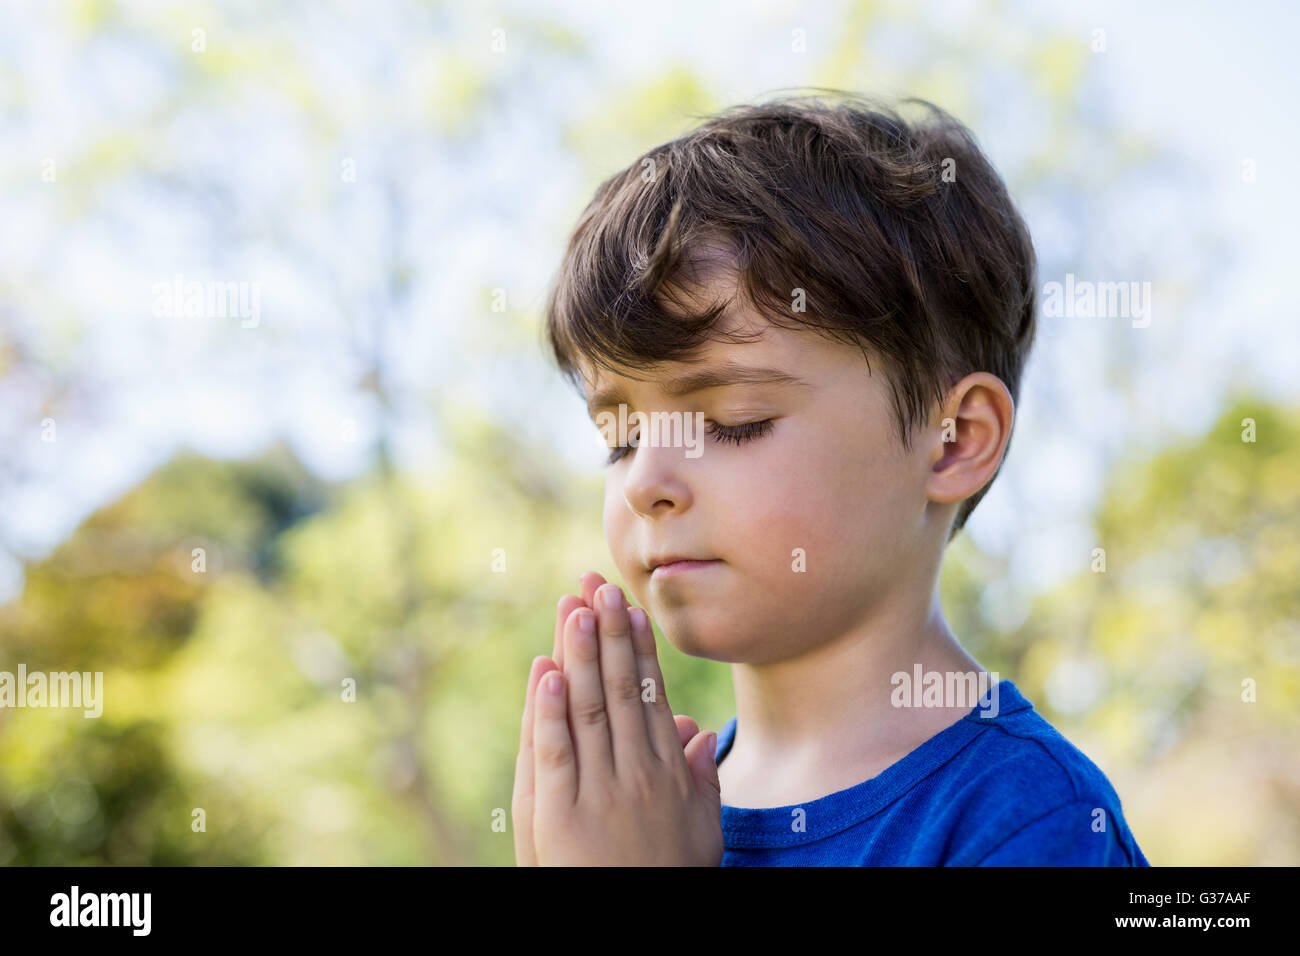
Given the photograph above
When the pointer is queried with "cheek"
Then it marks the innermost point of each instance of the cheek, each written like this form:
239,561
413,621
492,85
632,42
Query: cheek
830,495
615,519
764,510
619,524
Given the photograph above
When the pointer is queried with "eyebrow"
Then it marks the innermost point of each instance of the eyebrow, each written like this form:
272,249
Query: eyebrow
715,376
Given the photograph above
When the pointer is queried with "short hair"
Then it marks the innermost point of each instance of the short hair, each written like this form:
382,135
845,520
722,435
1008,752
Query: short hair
902,237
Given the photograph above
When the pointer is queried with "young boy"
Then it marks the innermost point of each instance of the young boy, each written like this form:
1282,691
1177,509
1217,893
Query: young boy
829,308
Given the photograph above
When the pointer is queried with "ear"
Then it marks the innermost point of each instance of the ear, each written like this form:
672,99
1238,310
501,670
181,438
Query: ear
973,430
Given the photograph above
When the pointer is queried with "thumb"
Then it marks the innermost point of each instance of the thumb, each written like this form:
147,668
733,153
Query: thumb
703,766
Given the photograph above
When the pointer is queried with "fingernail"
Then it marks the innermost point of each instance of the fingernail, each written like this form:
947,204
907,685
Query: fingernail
712,744
551,682
613,598
638,617
586,622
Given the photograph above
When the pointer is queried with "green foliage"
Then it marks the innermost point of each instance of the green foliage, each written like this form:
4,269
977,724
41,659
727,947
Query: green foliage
223,691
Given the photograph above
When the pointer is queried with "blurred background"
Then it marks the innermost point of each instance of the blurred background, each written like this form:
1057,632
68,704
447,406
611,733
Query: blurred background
364,469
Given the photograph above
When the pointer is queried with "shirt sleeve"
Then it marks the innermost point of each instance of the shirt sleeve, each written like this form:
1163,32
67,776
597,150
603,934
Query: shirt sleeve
1063,837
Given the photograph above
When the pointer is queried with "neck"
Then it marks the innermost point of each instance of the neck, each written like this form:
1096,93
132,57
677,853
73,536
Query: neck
831,705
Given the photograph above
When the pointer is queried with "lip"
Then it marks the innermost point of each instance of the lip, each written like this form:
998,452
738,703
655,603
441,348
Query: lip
684,566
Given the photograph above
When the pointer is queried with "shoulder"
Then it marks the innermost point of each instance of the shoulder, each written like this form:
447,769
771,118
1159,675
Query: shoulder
1023,753
1024,795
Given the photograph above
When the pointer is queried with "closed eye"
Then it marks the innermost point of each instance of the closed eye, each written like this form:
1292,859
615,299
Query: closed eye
733,434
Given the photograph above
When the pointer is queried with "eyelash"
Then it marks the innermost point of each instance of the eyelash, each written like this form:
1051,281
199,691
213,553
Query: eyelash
734,434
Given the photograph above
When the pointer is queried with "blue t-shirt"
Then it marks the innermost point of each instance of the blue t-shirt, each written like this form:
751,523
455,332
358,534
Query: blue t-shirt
1004,790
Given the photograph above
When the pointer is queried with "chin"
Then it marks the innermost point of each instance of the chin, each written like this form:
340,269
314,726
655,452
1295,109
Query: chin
710,640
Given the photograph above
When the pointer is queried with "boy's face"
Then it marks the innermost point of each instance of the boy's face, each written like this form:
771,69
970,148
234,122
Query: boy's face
827,488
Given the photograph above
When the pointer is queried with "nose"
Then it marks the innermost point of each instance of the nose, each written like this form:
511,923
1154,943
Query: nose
656,481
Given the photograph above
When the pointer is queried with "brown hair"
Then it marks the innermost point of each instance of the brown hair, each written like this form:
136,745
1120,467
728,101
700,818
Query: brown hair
902,237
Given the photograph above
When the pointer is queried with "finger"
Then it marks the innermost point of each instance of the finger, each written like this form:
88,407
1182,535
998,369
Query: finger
588,583
686,728
665,736
586,699
562,611
621,681
540,666
522,802
555,769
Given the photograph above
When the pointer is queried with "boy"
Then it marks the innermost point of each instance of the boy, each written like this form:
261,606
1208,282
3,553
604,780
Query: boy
841,302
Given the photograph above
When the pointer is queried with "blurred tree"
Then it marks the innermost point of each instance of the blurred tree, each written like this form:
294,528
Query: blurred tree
123,596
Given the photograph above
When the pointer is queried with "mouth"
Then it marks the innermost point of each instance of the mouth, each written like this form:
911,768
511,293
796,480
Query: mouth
676,566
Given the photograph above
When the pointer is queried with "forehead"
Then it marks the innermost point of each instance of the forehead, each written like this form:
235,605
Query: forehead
766,355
